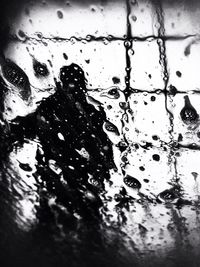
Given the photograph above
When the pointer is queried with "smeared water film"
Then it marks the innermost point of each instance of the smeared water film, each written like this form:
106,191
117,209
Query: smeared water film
99,133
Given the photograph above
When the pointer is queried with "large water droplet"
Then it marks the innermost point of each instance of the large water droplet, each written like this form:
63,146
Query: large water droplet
169,195
132,182
111,128
188,113
17,77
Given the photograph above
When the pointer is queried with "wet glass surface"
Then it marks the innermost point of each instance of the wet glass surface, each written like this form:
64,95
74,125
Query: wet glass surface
100,134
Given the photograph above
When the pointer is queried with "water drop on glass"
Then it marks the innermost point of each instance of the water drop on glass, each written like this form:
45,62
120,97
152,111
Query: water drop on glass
132,182
188,113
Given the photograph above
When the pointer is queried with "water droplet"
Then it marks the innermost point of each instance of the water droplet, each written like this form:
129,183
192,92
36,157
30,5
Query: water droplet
179,74
59,14
111,128
61,137
172,90
188,113
124,159
21,35
106,41
131,52
90,195
122,146
65,56
170,194
17,77
134,18
118,197
180,138
156,157
155,137
127,44
195,174
123,105
25,167
95,182
132,182
115,80
88,37
187,50
39,35
114,92
40,69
